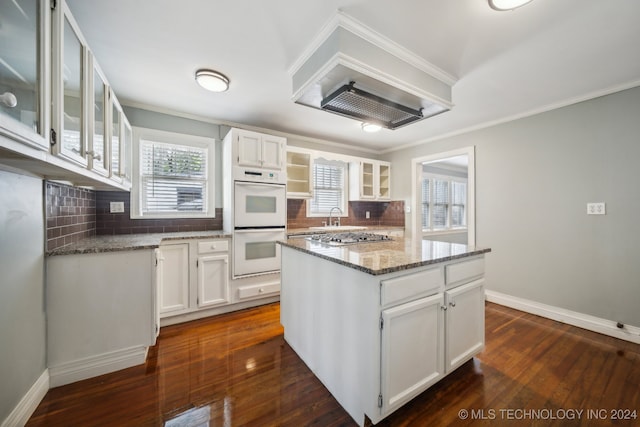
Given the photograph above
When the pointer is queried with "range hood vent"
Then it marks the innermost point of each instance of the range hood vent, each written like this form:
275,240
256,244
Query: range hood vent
395,87
355,103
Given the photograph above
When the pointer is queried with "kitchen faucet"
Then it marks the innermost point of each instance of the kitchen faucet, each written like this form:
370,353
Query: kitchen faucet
331,212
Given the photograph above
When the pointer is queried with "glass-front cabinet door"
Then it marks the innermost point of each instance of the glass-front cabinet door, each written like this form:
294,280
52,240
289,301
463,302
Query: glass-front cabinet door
98,116
116,133
24,71
69,88
126,154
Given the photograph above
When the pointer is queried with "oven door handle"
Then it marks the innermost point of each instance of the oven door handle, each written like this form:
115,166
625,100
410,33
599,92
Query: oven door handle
258,229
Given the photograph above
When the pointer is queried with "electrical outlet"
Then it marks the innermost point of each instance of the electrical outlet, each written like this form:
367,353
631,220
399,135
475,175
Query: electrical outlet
116,207
596,208
367,214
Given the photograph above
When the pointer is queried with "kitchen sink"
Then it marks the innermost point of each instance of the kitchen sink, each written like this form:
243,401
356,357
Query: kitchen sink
338,227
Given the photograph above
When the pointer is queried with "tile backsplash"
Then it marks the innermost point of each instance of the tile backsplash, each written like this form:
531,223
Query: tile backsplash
380,214
70,214
121,223
76,213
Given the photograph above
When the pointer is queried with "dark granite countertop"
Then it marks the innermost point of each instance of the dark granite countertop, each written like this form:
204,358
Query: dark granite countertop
388,256
130,242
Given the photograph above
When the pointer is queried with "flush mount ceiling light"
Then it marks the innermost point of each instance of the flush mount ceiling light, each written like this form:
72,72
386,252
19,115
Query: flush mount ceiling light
507,4
371,127
212,80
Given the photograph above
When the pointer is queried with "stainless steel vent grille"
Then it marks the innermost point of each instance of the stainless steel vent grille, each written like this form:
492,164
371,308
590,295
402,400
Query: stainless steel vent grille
358,104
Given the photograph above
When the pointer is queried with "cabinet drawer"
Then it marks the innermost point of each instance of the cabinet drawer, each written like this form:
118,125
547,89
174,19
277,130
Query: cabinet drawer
253,291
211,246
411,286
464,271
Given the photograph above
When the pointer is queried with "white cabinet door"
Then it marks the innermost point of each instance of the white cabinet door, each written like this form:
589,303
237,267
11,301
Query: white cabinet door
465,323
69,87
249,149
213,280
24,73
383,180
273,150
173,278
370,180
98,120
412,349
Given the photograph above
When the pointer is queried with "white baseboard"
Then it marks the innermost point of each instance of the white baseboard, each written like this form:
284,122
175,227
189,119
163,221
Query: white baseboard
584,321
96,365
29,402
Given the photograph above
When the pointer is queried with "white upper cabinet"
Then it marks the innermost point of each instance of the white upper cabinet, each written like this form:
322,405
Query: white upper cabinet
299,174
24,72
126,154
369,180
259,150
98,116
117,141
70,64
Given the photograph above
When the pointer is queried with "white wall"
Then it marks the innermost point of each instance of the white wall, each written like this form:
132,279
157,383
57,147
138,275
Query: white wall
22,315
534,177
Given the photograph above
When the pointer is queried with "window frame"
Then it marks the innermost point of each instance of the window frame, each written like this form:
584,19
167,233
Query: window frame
345,187
173,139
448,228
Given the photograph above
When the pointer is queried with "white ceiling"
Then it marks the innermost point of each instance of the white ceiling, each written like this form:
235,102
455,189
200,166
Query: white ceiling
508,64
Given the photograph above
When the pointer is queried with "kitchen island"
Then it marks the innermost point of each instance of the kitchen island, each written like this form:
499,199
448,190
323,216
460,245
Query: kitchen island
378,323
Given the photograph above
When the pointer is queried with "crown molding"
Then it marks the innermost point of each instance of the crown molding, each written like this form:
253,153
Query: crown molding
549,107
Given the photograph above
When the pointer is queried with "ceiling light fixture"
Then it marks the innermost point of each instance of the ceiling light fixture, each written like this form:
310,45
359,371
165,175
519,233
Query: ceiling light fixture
503,5
371,127
212,80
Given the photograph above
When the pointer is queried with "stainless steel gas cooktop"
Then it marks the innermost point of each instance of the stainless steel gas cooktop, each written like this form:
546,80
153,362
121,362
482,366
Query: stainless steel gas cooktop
339,239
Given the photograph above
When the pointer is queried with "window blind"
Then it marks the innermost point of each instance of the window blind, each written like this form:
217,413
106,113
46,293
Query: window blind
426,200
328,186
440,204
458,204
173,178
444,203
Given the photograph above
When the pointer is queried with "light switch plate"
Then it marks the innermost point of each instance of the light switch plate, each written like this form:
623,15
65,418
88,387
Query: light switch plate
598,208
116,207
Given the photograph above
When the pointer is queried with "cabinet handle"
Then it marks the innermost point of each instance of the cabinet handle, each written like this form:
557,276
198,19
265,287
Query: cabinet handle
444,307
260,290
452,303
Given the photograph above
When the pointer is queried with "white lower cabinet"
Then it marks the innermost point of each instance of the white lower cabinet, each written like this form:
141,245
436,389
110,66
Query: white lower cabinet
173,278
213,280
100,310
425,339
193,276
412,349
464,323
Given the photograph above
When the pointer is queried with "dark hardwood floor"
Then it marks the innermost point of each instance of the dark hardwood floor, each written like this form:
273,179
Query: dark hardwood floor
237,370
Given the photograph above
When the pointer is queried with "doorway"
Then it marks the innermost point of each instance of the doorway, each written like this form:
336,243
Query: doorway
443,195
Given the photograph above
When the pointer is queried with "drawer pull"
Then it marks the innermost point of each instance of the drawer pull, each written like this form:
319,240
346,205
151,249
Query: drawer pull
260,290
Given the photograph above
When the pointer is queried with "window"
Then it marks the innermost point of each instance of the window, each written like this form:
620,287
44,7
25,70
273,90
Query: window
329,188
444,203
174,176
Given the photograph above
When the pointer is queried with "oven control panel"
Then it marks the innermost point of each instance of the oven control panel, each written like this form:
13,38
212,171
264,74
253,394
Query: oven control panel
257,175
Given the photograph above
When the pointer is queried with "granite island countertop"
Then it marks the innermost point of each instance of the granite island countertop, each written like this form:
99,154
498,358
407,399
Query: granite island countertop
130,242
386,257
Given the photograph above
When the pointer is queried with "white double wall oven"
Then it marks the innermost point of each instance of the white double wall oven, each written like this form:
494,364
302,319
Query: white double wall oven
260,220
255,200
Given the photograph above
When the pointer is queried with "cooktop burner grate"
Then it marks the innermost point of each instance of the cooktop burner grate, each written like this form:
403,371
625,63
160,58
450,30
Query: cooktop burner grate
338,239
